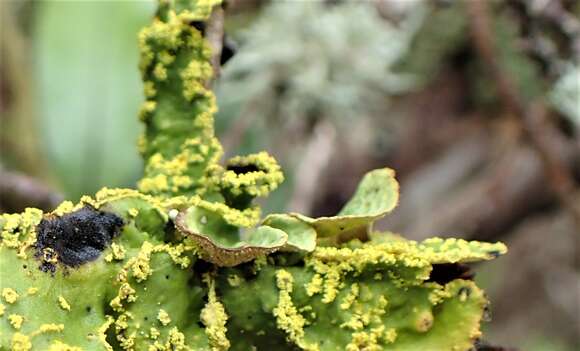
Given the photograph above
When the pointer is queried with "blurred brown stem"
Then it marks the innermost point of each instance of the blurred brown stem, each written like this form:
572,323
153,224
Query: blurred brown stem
535,125
215,36
18,191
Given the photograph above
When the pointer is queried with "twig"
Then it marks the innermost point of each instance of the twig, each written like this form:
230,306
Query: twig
18,191
215,36
533,118
314,162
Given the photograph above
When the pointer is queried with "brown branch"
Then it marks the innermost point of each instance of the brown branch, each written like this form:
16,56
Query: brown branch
215,36
533,119
18,191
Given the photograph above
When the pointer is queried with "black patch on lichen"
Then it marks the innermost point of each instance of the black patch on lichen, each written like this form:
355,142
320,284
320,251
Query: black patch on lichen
243,169
446,272
77,237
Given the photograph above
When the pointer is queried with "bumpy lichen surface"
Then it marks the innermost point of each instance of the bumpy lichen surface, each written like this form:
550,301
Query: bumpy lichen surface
184,263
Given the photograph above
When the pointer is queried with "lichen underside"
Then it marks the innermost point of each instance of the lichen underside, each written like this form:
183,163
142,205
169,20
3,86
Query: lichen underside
184,263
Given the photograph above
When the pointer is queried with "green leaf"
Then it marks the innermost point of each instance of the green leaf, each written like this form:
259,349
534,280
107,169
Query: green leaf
223,244
301,236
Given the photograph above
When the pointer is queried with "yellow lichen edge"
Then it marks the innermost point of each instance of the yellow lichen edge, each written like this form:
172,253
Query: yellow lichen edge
264,175
331,264
214,317
287,316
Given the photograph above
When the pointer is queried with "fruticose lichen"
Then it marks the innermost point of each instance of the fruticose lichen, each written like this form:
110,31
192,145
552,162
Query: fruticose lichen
184,262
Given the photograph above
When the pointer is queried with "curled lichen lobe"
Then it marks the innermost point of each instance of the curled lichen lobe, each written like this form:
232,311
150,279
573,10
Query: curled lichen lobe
76,237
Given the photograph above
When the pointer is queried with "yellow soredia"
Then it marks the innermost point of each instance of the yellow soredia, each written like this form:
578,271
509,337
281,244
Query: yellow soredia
16,320
350,298
154,333
49,328
10,295
63,303
118,250
32,291
139,264
102,333
64,208
2,309
287,316
60,346
163,317
214,317
20,342
126,293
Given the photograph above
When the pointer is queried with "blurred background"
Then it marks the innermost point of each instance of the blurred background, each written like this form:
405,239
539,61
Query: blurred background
475,104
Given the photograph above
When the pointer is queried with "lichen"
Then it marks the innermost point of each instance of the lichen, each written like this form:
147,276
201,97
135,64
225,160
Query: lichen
184,262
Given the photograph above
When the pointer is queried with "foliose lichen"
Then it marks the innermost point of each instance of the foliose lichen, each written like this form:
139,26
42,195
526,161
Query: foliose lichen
184,262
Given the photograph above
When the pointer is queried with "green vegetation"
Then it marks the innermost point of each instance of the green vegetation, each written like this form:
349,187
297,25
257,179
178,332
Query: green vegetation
185,263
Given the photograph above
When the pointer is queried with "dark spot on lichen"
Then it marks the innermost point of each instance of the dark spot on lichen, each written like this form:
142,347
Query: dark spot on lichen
446,272
77,237
494,253
24,266
89,309
199,25
167,277
200,324
243,169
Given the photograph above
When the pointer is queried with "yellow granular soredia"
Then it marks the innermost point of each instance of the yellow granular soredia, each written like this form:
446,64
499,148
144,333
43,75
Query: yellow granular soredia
10,295
20,342
350,298
154,184
16,320
160,72
63,303
315,285
60,346
163,317
149,89
102,333
176,252
48,328
368,341
287,316
2,309
118,251
438,294
32,291
176,340
64,208
139,265
146,110
154,333
266,178
214,317
126,292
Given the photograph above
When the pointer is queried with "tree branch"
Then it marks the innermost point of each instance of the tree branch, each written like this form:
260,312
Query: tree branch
18,191
535,125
